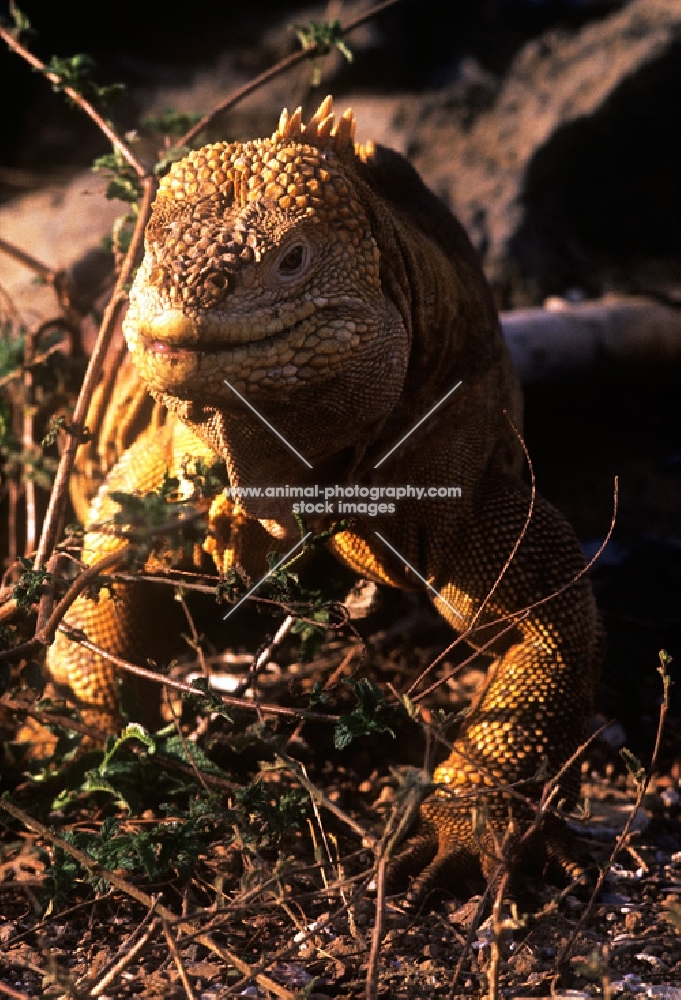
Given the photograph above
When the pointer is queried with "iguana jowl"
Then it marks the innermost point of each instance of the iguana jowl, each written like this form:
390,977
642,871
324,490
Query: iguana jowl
327,286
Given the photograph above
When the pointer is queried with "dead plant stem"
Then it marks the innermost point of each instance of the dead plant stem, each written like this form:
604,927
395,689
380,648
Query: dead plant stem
123,885
52,524
177,958
77,98
371,992
76,636
564,953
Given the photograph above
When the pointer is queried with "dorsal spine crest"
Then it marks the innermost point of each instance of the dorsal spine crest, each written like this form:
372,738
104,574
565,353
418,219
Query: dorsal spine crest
322,130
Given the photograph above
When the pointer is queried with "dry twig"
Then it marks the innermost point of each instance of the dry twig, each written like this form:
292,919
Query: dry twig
123,885
566,950
281,67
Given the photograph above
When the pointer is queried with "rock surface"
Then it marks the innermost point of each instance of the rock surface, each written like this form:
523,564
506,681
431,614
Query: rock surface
572,170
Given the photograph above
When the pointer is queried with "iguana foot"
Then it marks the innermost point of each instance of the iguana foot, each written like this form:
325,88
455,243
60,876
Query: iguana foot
452,848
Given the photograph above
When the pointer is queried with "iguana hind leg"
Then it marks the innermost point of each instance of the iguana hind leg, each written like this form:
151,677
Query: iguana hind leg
532,714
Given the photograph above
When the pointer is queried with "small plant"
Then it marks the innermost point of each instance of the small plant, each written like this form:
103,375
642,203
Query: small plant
321,37
75,73
366,717
28,589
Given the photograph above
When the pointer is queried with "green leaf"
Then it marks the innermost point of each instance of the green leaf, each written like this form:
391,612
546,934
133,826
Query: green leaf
64,870
230,587
268,813
132,732
56,426
22,25
634,765
12,345
318,697
206,700
365,717
124,183
175,748
29,587
321,37
75,72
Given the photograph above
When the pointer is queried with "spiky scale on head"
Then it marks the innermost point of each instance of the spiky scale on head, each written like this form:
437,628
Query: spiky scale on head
223,206
289,169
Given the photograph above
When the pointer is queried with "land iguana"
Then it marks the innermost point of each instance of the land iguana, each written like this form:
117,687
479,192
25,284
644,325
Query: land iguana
321,284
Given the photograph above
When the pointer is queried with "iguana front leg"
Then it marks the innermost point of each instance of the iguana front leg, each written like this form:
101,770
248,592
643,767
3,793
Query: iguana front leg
129,620
532,714
138,622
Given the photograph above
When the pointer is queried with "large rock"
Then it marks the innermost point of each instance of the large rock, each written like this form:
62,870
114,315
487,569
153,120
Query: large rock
63,226
571,175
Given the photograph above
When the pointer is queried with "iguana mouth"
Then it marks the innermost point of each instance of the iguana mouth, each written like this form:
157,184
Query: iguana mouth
174,334
170,350
166,349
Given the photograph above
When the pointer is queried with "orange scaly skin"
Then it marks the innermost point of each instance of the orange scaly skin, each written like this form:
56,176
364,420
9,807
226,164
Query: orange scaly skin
335,293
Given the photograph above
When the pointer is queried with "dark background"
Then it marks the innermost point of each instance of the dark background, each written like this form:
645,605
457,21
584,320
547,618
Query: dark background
419,45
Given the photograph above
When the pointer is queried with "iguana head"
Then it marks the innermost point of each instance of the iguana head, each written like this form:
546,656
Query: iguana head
261,268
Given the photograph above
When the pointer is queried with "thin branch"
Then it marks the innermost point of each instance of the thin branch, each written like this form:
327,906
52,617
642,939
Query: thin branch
288,62
468,944
78,99
7,991
566,950
150,675
495,950
39,359
470,659
27,440
131,950
46,634
196,640
48,719
371,992
177,958
187,749
51,525
295,768
27,260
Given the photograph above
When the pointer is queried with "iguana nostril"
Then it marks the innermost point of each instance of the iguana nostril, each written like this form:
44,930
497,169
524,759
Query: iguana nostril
172,327
212,286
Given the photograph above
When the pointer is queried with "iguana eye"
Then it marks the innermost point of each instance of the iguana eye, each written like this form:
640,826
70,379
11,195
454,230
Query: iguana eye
293,261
